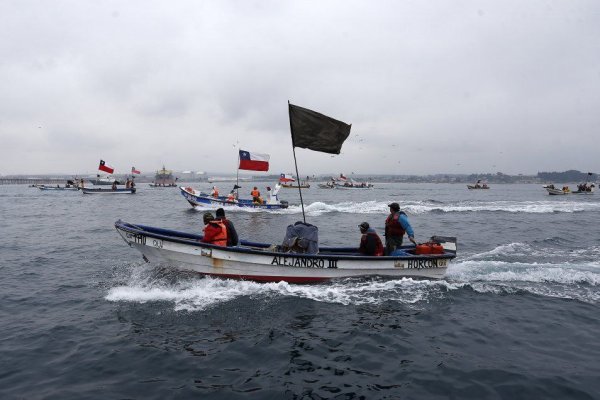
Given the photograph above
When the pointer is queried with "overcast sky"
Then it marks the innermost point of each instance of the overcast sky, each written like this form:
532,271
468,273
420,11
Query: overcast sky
428,86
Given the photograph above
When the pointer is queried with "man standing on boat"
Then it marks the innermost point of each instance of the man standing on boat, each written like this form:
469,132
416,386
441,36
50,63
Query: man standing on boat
232,236
370,243
396,225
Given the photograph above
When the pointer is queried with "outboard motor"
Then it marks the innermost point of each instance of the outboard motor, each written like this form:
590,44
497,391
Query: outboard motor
301,238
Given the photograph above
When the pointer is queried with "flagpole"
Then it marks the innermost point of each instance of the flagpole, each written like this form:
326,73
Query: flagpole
296,164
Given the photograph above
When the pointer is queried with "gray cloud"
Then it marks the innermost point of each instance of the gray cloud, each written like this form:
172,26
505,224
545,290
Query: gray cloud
429,87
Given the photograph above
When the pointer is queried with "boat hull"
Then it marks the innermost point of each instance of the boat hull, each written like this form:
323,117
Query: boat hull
283,185
256,261
108,191
557,192
342,187
57,188
202,199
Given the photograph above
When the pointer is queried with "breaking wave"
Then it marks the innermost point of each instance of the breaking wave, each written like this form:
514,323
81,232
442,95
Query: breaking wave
420,207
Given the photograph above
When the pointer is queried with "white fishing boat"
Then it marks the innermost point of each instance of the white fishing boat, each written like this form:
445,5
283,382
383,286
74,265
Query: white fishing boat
326,185
197,198
478,185
57,187
107,180
354,186
554,191
265,262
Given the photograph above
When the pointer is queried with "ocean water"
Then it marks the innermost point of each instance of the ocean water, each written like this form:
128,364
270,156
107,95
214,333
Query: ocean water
517,316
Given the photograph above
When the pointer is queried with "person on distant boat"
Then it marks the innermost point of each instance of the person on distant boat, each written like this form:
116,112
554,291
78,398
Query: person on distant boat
215,231
231,197
81,184
114,185
370,243
132,184
255,193
232,236
127,183
215,192
396,225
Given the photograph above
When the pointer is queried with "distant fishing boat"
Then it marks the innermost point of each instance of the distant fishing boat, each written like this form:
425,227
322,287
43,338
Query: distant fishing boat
478,185
287,181
48,187
196,198
104,180
246,161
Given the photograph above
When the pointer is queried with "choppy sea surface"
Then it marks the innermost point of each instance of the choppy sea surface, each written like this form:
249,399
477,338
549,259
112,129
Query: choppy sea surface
82,316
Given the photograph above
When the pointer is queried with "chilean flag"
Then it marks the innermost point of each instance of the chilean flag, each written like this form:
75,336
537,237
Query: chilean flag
254,161
105,168
286,178
342,177
135,171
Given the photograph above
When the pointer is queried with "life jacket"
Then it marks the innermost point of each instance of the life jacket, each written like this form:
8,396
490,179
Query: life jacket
255,193
378,244
220,233
231,197
215,193
429,248
393,226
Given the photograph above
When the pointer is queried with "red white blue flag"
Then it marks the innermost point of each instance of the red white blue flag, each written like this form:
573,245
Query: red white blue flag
286,178
105,168
135,171
253,161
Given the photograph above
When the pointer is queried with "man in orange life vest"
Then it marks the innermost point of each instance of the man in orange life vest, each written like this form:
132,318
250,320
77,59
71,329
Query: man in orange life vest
370,243
215,231
396,225
255,193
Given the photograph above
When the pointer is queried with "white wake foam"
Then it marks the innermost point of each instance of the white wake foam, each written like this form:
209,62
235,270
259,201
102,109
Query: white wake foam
420,207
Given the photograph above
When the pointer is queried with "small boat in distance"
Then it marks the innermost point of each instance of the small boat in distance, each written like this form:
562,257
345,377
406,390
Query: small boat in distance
327,185
106,180
554,191
108,191
196,198
287,181
57,187
478,185
164,178
585,188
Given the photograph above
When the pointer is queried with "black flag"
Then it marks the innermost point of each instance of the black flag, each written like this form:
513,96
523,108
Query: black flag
314,131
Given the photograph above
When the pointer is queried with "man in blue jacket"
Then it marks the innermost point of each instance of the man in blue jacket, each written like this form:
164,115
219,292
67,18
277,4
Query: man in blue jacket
396,225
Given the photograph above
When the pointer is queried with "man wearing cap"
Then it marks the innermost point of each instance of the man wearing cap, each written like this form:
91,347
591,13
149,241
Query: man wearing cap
396,225
370,243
